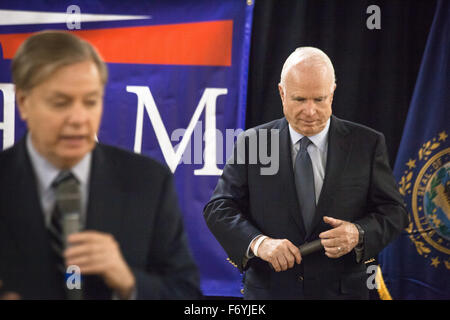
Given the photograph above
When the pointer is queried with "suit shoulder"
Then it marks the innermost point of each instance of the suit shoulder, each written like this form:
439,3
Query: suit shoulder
275,124
362,130
8,155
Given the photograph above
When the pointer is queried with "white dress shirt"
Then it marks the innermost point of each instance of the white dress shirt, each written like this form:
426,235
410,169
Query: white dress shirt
46,173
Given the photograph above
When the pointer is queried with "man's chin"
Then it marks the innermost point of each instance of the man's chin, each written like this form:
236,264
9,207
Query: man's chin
311,130
68,163
66,159
308,130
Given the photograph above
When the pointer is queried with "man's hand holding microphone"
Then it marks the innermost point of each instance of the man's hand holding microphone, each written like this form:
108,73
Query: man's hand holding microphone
97,253
282,254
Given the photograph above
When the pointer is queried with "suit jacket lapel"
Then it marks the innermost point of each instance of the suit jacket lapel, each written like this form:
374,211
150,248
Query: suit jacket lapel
339,148
105,198
104,213
26,218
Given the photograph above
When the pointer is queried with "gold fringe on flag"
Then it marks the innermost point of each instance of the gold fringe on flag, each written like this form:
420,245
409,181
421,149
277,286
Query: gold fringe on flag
383,291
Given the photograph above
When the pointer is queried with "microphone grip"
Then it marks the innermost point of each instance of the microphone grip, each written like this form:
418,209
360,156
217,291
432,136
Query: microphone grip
70,225
310,247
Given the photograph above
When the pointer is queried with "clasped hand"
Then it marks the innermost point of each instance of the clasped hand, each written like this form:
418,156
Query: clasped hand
338,241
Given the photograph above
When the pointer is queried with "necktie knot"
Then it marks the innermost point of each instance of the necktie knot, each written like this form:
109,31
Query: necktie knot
67,192
304,143
64,177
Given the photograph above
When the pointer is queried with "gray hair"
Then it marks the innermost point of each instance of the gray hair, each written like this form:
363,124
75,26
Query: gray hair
307,54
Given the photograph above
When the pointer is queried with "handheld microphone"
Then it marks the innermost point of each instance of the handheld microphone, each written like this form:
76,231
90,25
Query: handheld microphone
69,201
310,247
70,224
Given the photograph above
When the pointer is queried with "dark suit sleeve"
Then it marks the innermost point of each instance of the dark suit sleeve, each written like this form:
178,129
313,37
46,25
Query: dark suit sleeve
227,212
171,272
387,215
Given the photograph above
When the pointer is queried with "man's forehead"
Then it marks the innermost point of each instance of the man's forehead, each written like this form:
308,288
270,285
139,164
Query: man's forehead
311,84
305,95
309,87
307,71
58,92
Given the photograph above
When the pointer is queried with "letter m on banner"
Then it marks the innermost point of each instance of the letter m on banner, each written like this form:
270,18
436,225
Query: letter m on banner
172,157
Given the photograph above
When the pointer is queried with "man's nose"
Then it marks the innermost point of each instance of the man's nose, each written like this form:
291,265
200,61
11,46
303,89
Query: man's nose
310,108
78,114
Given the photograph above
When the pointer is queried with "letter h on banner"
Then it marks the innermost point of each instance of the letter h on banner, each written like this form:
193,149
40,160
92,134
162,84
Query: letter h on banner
7,125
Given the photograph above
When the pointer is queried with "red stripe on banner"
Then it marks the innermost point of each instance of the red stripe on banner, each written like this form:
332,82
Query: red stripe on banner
199,43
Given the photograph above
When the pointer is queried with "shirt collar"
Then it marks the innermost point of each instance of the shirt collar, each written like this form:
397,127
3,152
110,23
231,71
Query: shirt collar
46,172
319,140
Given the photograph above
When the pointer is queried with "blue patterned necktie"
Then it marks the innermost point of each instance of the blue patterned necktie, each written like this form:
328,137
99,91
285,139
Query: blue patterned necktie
55,227
65,186
304,182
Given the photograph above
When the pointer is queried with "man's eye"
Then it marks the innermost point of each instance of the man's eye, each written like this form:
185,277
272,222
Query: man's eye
90,103
60,104
319,99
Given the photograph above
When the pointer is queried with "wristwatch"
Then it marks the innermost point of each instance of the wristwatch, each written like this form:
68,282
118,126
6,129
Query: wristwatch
361,234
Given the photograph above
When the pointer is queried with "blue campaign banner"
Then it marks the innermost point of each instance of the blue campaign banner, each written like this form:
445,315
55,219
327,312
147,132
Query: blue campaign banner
417,264
176,92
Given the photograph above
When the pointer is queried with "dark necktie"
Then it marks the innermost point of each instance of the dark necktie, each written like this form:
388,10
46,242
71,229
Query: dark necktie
67,197
304,182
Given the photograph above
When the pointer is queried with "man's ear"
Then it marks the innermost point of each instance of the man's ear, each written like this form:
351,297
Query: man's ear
21,99
332,92
281,90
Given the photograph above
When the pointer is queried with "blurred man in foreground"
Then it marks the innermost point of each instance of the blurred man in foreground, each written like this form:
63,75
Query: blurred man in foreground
132,243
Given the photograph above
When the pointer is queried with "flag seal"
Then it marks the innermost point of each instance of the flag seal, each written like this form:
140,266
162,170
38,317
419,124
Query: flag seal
425,186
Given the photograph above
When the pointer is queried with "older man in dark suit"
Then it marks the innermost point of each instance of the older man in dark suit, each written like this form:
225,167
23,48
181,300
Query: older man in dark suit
333,183
132,243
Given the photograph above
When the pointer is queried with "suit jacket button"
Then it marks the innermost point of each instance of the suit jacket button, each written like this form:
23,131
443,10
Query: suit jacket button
300,278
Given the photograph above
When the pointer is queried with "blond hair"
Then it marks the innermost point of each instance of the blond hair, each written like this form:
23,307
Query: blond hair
43,53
